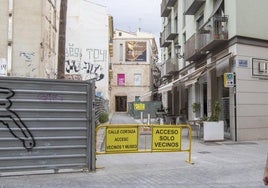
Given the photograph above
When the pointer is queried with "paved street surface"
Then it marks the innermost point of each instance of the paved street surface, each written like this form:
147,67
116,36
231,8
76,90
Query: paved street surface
225,164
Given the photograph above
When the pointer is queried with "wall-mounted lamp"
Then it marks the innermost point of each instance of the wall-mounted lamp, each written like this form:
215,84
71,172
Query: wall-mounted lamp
178,51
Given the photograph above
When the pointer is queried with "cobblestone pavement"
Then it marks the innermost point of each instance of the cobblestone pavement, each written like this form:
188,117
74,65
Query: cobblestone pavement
224,164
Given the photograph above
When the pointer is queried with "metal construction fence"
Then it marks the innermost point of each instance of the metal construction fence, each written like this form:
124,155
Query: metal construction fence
46,125
101,107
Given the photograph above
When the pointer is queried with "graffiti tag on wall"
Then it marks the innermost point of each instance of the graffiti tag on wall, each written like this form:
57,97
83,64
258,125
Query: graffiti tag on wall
11,120
91,65
3,67
28,60
72,77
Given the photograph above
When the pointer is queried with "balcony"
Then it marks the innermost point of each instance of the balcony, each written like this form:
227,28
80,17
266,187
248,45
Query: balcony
192,52
192,6
212,34
171,66
171,3
171,31
166,7
163,39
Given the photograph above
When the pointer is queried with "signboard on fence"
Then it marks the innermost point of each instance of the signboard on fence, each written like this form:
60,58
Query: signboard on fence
161,138
121,139
166,138
139,106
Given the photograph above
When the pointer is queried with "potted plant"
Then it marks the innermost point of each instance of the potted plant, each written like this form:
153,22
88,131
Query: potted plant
196,108
213,128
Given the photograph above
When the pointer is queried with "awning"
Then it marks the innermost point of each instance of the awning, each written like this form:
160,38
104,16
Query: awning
167,87
193,79
218,61
189,77
193,75
216,7
147,94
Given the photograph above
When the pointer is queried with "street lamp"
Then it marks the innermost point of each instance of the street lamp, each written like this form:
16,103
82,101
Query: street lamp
178,51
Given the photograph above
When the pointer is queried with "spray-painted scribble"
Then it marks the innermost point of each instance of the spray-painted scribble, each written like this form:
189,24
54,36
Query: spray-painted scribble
94,69
3,67
12,121
88,64
28,56
96,55
72,66
50,97
28,61
71,51
72,77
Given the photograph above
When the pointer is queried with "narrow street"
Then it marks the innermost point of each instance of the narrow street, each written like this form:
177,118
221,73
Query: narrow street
216,164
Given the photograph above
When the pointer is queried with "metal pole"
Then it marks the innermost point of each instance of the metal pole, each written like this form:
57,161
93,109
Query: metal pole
148,119
62,39
141,117
235,107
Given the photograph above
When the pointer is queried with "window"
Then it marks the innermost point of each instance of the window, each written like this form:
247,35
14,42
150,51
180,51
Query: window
121,79
259,67
137,79
137,98
121,52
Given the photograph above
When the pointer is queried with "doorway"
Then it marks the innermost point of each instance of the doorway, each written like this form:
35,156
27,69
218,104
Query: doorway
120,103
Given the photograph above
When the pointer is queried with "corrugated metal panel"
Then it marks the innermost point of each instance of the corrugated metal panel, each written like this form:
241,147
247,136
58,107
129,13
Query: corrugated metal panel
46,124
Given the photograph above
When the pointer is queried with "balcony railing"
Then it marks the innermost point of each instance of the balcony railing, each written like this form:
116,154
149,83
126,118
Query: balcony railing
211,35
171,31
171,65
192,52
163,39
192,6
166,7
171,3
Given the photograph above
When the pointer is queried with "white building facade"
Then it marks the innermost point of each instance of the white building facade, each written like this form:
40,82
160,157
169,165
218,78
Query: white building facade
217,37
87,44
29,38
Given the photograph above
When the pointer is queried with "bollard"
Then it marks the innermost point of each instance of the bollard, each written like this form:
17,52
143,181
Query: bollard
142,117
148,119
161,121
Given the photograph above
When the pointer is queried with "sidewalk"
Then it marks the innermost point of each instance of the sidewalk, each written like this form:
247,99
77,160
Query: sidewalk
216,165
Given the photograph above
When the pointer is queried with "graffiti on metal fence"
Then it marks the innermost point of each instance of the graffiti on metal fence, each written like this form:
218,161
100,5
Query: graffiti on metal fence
11,120
50,97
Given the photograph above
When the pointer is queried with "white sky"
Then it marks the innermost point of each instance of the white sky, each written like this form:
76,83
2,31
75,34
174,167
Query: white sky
129,15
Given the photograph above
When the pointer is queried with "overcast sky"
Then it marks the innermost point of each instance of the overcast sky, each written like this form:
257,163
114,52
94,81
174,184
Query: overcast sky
129,15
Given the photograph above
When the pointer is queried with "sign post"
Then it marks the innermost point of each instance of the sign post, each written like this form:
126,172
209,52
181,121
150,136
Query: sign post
228,79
